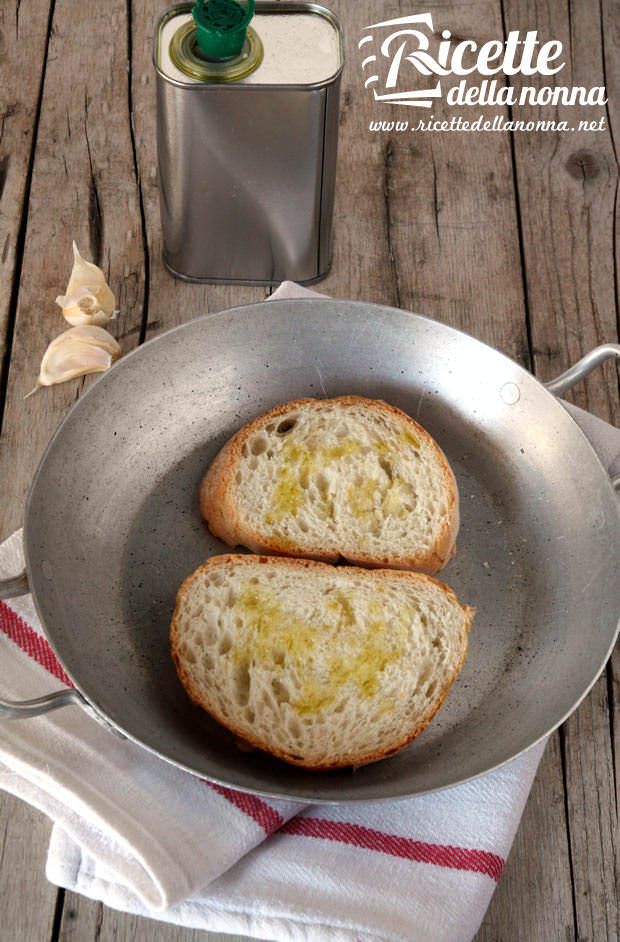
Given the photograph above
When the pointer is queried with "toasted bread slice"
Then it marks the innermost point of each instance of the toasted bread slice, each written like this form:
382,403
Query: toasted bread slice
321,666
328,479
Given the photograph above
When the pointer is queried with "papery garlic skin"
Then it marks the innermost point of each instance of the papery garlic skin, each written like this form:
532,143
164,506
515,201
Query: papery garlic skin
77,352
89,299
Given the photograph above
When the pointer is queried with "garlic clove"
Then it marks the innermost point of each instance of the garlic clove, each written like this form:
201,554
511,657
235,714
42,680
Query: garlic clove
84,309
77,352
92,334
89,299
64,364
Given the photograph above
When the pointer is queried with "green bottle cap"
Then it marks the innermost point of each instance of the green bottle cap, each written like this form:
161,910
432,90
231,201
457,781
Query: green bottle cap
221,27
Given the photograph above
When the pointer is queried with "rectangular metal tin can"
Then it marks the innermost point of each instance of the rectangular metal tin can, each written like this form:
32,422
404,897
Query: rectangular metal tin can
247,171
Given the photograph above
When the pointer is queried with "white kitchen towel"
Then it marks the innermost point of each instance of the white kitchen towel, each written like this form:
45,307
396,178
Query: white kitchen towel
144,837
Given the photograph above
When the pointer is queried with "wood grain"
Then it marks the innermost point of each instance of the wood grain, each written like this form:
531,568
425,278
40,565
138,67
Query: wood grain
84,920
567,185
22,25
610,39
592,817
83,188
533,901
24,834
450,211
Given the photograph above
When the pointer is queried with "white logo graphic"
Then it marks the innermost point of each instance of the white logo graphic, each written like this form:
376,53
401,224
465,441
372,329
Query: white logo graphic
400,50
393,47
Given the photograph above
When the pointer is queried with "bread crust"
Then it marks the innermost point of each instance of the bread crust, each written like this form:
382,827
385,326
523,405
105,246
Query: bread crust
218,506
312,565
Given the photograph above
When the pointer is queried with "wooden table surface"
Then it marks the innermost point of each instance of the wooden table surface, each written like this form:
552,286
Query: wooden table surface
509,236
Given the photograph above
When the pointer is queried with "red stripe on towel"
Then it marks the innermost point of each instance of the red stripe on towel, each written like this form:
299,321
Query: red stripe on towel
268,818
34,645
441,855
356,835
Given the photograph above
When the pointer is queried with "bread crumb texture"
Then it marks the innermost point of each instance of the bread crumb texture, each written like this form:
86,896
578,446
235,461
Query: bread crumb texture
321,666
334,470
350,476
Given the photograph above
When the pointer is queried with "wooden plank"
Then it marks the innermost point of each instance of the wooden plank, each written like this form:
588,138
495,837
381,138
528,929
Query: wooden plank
88,921
24,835
568,185
610,37
613,698
533,900
448,210
84,188
592,816
23,48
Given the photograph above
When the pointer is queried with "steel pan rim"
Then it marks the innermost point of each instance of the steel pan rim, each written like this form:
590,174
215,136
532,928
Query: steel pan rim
324,301
287,793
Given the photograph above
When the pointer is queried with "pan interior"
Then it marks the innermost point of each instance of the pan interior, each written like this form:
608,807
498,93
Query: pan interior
113,527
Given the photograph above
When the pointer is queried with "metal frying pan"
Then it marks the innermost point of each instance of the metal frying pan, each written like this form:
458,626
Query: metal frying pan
112,527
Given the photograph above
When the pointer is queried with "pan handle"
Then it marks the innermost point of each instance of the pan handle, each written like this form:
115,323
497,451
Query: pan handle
582,368
579,371
22,709
14,586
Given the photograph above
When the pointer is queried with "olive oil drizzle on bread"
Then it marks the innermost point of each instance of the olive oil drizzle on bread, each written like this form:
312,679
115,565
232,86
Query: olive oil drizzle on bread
322,666
348,478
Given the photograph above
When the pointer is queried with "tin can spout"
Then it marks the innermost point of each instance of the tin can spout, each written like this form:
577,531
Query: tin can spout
221,27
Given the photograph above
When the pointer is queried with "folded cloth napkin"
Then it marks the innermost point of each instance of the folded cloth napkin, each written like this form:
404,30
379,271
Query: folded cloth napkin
144,837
